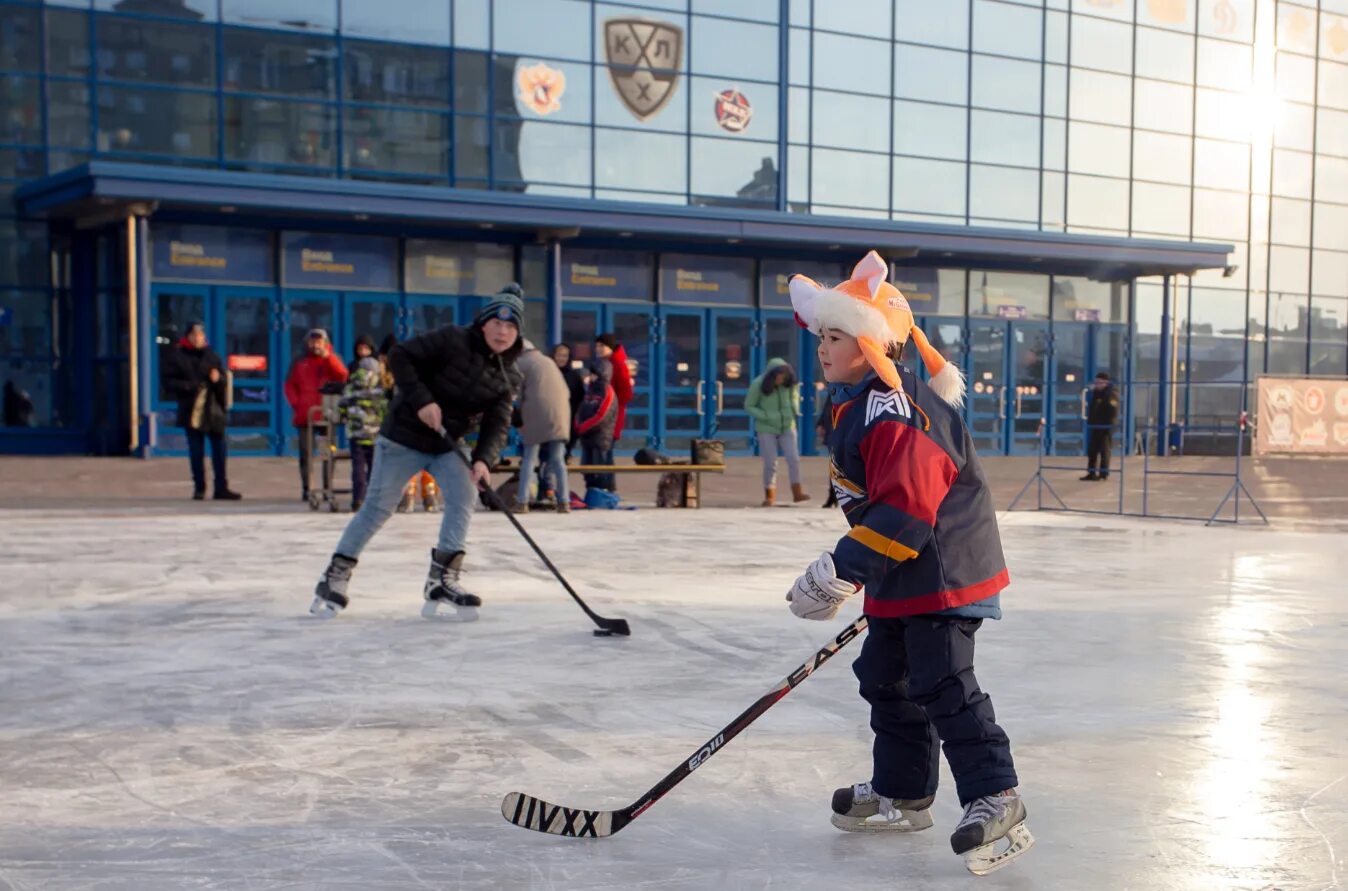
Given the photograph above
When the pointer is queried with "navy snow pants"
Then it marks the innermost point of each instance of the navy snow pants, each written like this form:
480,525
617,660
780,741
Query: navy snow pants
917,673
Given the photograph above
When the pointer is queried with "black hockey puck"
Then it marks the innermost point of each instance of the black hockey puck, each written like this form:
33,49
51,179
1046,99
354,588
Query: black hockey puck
602,632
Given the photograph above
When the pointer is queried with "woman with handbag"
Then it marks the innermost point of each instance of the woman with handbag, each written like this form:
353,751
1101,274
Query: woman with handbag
194,373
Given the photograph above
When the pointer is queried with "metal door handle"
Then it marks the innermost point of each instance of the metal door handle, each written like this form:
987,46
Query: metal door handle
697,400
1001,403
1020,392
720,398
1084,391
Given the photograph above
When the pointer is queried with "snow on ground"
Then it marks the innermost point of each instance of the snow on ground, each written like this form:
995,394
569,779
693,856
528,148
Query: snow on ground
171,718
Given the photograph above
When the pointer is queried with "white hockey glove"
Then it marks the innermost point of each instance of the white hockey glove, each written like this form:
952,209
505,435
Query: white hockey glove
819,593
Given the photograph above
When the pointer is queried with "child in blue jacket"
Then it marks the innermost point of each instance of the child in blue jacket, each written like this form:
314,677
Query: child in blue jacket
925,547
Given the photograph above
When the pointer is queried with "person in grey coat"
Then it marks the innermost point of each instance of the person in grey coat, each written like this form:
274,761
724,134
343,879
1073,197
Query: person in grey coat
545,409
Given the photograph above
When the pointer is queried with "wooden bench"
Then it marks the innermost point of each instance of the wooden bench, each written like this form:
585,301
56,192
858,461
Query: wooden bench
695,470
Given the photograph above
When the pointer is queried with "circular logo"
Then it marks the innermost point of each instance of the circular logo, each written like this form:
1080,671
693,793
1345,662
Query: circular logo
733,111
1341,401
1315,400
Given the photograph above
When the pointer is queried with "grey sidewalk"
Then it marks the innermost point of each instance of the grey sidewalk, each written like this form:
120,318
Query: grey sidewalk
1302,490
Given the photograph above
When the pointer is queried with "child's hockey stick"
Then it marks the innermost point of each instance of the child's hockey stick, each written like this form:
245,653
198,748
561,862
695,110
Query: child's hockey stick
607,627
534,813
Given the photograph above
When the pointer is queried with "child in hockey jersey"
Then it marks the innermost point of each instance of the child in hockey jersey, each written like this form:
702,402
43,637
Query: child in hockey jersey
364,403
925,547
595,422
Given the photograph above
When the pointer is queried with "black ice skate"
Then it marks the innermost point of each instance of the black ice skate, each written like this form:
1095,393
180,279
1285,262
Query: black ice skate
330,593
854,806
443,588
993,832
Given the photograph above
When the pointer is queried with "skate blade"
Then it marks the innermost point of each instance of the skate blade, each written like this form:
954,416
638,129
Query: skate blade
323,609
461,614
909,821
983,860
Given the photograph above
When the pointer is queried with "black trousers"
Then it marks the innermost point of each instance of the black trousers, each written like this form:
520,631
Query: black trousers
362,460
1100,441
196,456
917,673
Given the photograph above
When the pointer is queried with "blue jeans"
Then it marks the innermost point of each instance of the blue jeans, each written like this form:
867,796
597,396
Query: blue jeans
394,465
554,470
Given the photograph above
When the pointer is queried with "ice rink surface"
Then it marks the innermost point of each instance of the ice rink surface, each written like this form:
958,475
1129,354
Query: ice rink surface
170,717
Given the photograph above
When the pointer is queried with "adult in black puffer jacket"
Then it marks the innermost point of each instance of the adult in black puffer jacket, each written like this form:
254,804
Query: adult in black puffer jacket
445,380
194,373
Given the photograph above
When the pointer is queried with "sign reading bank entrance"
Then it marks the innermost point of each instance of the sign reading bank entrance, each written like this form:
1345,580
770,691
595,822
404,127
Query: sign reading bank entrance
343,262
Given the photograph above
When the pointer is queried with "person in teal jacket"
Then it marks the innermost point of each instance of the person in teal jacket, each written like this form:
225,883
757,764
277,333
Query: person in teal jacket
774,404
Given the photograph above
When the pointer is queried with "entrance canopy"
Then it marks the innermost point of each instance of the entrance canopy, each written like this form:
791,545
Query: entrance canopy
100,191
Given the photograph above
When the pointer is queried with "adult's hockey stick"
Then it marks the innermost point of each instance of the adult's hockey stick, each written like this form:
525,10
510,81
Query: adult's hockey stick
607,627
541,816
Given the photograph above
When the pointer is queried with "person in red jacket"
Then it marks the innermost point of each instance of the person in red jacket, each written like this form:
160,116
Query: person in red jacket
304,391
606,346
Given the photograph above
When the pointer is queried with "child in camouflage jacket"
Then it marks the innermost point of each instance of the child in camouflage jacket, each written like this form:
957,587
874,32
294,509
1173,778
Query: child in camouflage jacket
363,405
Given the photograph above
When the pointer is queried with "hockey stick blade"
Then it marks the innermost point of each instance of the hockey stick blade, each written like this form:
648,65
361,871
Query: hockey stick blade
606,627
542,816
554,819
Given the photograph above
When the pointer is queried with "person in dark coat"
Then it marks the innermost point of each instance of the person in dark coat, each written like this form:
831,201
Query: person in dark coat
1102,413
363,349
444,381
194,373
575,386
596,423
19,410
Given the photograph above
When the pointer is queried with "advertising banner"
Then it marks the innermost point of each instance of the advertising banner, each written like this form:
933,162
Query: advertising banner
1302,416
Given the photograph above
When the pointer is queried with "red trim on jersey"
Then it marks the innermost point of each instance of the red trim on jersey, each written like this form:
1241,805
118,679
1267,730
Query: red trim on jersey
906,469
931,603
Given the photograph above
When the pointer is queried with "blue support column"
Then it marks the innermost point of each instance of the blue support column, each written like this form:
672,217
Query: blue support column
145,334
1163,373
554,268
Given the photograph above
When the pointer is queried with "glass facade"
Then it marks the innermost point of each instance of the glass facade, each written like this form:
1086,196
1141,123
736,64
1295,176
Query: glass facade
1205,120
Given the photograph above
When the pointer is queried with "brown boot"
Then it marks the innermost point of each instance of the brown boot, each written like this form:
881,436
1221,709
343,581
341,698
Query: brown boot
769,497
798,494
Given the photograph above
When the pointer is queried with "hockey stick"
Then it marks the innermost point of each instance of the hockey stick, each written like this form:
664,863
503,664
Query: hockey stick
607,627
540,816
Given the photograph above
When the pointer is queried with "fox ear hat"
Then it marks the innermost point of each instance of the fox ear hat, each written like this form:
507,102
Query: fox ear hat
873,311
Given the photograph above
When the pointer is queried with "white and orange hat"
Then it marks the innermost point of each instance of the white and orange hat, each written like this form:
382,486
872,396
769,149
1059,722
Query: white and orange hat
878,316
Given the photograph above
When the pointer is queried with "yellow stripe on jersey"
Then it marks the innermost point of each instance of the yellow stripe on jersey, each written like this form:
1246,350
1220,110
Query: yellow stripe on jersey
885,547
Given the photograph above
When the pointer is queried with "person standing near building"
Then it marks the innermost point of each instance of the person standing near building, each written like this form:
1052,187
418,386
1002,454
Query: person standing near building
595,423
545,408
575,387
606,346
363,349
304,391
446,379
1102,413
194,373
774,404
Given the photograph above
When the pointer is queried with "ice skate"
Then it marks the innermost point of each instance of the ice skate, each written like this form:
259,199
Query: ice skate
855,806
430,496
993,832
444,591
408,499
330,593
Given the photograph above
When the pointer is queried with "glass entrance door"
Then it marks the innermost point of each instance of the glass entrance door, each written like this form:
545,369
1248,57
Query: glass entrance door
988,386
733,335
374,315
1031,358
247,346
683,385
1071,380
426,313
632,326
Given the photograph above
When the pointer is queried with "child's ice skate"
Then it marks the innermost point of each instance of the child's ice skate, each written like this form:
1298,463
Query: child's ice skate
855,806
443,589
993,832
